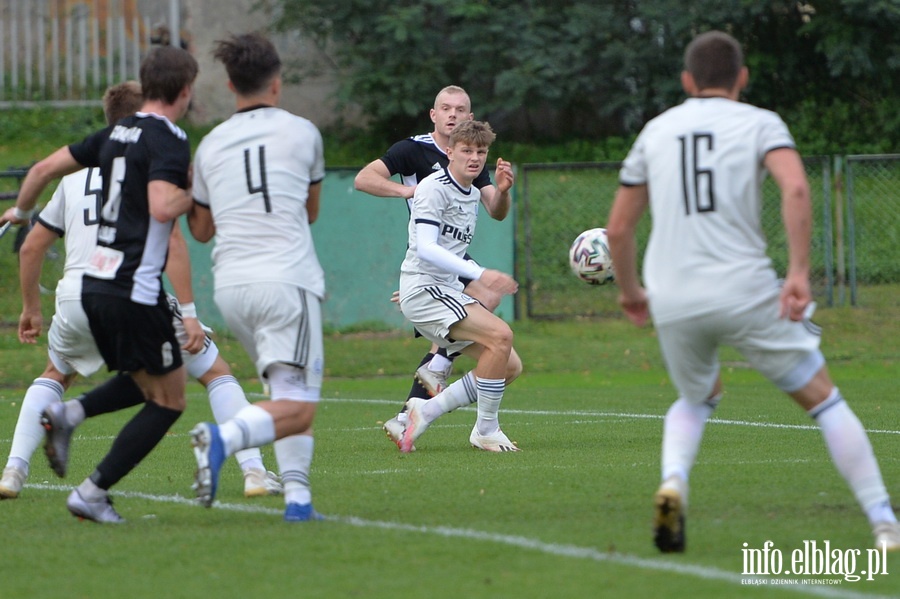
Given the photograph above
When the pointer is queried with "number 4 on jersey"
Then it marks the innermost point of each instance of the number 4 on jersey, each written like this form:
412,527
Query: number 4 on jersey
262,188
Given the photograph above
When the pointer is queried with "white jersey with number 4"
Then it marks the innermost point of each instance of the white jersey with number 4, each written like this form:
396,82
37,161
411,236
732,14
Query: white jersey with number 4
703,164
253,172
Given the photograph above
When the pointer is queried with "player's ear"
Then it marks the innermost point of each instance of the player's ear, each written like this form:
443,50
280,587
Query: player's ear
743,78
688,84
231,87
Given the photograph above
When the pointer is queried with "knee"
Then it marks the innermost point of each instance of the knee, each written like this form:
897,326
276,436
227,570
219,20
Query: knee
171,402
299,415
501,337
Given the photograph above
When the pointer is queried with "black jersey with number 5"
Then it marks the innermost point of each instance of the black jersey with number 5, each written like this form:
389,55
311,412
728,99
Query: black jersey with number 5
132,245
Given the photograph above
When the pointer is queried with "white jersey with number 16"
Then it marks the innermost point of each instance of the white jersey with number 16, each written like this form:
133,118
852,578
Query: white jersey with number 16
703,163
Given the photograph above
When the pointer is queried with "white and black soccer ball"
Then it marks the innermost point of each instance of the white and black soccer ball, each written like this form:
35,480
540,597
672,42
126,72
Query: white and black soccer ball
589,257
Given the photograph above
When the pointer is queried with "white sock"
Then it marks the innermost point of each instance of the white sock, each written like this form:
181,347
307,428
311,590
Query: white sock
226,398
458,394
90,491
852,454
29,432
490,394
439,363
74,412
294,455
251,427
682,433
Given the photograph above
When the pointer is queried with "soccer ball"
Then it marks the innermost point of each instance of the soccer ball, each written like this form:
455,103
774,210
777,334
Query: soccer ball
589,257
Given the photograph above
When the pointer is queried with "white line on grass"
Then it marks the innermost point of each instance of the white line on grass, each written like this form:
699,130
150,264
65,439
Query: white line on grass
625,415
573,551
570,413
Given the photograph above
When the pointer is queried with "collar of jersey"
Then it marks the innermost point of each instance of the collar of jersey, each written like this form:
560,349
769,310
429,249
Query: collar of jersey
254,107
175,129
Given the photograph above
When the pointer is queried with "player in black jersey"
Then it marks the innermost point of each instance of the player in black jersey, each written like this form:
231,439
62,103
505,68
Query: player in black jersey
145,161
413,159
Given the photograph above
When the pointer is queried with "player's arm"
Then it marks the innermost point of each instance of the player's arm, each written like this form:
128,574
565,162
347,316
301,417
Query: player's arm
201,223
496,198
375,179
59,163
31,259
313,201
178,269
628,207
428,249
167,201
786,168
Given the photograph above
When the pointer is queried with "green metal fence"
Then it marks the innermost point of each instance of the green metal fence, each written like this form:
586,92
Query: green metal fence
873,221
855,230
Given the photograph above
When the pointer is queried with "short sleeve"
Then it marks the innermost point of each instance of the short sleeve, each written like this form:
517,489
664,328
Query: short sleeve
634,167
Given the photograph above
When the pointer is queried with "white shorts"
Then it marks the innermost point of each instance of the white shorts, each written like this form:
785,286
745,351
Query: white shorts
433,310
784,351
276,322
71,345
197,364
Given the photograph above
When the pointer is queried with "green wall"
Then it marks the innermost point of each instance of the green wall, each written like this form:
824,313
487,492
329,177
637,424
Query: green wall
361,241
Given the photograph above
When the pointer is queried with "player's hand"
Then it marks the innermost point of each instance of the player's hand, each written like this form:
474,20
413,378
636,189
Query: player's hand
31,323
395,297
499,282
503,175
635,307
795,297
10,217
196,337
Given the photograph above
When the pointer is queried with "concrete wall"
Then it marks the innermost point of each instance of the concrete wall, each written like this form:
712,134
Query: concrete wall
206,21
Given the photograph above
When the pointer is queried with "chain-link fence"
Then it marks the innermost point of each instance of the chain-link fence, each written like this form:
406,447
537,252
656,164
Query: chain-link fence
872,222
854,233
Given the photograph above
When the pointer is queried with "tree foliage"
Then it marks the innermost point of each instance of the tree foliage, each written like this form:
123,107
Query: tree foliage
584,69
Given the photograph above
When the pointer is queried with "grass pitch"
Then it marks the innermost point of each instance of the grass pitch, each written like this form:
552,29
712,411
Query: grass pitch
569,516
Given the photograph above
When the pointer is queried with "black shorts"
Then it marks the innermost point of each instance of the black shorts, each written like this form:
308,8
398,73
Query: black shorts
132,336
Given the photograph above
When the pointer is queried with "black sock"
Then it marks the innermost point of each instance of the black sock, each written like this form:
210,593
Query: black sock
136,439
117,393
417,390
442,351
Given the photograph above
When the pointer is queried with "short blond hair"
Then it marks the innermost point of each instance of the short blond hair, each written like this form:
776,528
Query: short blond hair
121,100
451,89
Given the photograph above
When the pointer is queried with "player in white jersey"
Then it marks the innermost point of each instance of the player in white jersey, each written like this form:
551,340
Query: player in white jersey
441,227
699,167
257,182
72,214
414,159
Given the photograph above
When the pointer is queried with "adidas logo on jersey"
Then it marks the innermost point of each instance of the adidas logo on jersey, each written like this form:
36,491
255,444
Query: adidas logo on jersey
436,166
